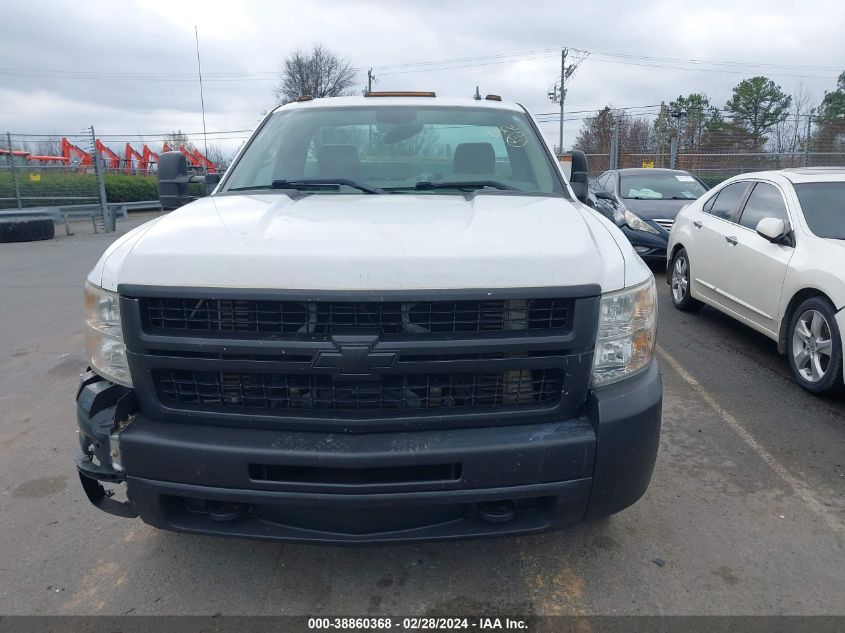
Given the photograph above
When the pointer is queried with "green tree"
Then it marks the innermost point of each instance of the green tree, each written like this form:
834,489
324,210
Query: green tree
695,115
757,105
830,130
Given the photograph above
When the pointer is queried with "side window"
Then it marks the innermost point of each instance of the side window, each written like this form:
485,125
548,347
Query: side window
596,183
708,206
609,183
726,205
764,202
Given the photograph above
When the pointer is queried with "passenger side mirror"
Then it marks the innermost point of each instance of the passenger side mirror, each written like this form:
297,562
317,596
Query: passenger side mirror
579,180
173,180
773,229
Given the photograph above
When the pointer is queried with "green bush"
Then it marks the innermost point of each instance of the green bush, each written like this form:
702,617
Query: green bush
74,188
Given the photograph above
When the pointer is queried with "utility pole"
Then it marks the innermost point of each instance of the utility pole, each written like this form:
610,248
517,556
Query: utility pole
562,97
12,169
807,139
558,92
202,99
105,210
370,79
613,162
660,130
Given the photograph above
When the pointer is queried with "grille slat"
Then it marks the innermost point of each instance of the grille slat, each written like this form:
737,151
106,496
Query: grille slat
283,392
665,223
267,318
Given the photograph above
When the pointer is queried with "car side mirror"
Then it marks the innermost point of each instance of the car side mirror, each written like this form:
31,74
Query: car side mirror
173,180
605,195
773,229
579,180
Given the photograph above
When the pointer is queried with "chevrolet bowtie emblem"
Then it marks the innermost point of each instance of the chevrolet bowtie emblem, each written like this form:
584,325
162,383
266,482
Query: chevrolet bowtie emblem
354,359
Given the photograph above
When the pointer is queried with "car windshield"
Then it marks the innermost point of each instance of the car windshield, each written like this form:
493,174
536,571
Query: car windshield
823,204
396,149
660,186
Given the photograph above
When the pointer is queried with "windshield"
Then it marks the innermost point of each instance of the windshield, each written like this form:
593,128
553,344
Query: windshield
396,149
823,204
659,186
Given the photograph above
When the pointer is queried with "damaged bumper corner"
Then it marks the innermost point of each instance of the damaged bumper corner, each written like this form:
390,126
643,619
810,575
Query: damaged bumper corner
90,476
104,410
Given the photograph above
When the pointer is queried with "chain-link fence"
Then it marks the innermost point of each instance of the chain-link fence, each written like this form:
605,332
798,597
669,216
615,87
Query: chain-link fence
713,167
712,152
79,174
35,173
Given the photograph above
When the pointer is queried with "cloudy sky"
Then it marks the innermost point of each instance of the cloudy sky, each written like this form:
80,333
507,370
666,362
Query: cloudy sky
129,68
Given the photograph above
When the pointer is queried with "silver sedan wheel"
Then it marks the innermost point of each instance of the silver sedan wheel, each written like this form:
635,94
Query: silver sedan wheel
680,279
812,345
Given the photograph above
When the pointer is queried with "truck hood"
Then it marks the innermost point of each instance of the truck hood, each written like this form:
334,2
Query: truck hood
364,242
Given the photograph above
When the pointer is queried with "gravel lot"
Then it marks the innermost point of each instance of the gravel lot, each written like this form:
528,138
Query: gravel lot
745,514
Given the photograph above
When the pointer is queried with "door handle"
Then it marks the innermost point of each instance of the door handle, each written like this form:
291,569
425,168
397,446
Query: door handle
697,224
730,239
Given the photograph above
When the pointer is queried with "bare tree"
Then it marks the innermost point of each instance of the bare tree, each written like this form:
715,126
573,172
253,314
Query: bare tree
790,134
316,73
221,156
177,138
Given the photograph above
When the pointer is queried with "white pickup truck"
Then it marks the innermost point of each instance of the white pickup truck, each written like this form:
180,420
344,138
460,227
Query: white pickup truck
392,320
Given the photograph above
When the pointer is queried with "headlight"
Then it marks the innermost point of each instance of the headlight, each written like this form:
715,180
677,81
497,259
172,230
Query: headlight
104,337
636,223
627,329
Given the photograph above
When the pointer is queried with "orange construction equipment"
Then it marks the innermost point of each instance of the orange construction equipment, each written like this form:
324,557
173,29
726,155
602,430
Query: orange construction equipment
203,161
111,159
69,151
131,155
50,159
140,163
195,157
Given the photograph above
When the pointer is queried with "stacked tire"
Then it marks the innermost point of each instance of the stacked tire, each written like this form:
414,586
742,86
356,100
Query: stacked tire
27,229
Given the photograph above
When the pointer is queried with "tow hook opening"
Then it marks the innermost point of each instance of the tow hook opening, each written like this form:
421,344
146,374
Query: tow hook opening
497,511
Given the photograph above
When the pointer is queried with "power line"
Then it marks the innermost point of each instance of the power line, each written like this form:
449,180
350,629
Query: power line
442,64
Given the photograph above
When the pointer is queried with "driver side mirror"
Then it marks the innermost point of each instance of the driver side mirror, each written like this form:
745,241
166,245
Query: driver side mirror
773,229
579,180
173,180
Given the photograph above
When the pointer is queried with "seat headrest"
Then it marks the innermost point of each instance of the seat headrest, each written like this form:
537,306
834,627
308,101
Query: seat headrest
474,158
339,161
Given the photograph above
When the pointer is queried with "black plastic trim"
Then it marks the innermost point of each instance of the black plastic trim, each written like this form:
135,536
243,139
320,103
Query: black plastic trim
570,349
447,294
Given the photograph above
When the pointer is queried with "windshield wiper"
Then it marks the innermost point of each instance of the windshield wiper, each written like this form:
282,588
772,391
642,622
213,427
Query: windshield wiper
324,184
468,184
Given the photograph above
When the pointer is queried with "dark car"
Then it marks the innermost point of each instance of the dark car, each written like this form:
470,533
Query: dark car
643,203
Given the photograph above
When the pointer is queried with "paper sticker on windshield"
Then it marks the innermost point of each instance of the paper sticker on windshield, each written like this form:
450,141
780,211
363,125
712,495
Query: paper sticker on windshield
514,136
685,178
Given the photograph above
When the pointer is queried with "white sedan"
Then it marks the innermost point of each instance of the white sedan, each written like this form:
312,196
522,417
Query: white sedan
768,249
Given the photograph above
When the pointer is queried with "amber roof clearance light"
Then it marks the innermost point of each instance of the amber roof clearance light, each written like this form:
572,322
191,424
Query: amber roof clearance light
399,93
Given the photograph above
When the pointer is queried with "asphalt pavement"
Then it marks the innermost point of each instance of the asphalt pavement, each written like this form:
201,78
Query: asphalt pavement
745,513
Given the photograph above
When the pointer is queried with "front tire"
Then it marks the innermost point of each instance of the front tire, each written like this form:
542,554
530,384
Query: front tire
814,346
680,283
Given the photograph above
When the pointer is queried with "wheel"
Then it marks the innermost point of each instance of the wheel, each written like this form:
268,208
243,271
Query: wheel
26,229
814,346
680,283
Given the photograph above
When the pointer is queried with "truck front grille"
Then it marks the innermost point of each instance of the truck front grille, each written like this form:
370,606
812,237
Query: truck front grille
267,318
352,361
286,392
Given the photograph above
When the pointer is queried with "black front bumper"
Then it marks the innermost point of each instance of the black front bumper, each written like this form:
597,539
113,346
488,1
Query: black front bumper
647,245
375,487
